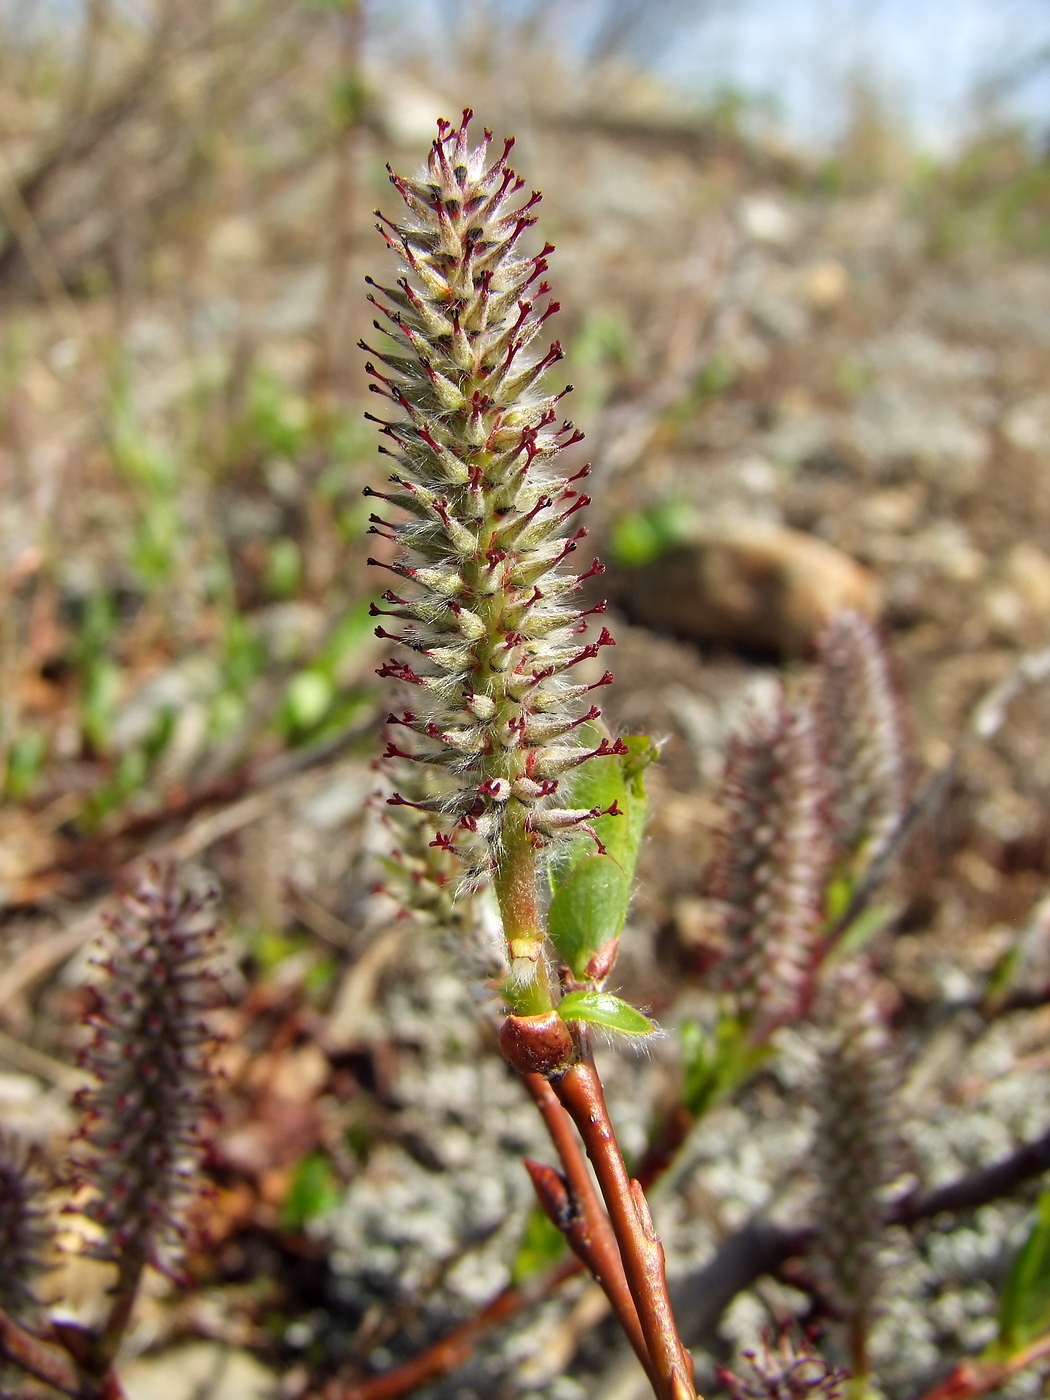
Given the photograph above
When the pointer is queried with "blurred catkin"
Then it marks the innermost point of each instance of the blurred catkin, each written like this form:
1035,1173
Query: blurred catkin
861,734
24,1234
771,864
145,1120
857,1147
481,511
784,1372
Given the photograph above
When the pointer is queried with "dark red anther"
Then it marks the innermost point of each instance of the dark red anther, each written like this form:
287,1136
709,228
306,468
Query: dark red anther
508,359
598,608
606,750
595,569
553,355
386,636
392,751
541,504
530,203
607,679
398,671
613,811
403,569
551,309
497,198
410,292
408,719
396,800
580,503
585,654
571,544
539,269
389,596
494,557
518,230
508,146
443,842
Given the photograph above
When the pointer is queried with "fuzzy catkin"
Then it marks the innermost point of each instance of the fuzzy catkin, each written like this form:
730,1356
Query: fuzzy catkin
24,1234
857,1146
784,1372
137,1154
483,516
772,861
860,726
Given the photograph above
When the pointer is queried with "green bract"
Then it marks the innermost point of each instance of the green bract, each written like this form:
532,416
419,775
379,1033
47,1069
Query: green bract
603,1009
591,876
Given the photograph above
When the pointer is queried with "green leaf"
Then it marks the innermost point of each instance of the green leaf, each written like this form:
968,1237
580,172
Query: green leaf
642,536
1003,975
588,909
25,760
307,700
314,1191
542,1245
716,1062
603,1009
863,929
602,782
592,889
1024,1311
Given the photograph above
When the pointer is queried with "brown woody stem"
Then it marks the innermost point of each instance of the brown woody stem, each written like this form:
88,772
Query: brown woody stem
582,1219
580,1091
125,1291
45,1362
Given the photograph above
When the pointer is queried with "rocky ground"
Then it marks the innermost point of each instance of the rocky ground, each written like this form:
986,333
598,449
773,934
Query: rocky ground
795,400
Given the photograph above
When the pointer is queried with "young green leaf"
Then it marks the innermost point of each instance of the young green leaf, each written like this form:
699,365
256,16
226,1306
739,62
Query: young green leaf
314,1191
588,909
1024,1312
715,1062
603,1009
602,783
592,888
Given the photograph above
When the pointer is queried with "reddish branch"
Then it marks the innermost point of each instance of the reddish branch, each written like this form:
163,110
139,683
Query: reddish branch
54,1365
977,1377
453,1350
580,1091
575,1208
756,1249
